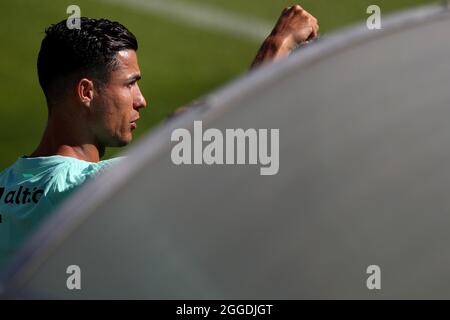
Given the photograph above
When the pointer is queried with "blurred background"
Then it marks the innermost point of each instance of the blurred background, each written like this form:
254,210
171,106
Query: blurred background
186,49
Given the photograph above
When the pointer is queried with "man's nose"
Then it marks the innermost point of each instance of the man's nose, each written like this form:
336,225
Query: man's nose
139,101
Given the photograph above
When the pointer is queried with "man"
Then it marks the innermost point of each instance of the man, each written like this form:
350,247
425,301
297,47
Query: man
90,80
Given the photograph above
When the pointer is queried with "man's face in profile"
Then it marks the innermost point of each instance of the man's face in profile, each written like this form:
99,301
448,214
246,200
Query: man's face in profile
116,105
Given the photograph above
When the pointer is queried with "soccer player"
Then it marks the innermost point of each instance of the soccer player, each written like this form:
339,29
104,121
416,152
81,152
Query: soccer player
89,77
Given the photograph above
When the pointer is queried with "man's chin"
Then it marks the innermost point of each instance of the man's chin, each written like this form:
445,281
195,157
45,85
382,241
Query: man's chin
119,143
122,143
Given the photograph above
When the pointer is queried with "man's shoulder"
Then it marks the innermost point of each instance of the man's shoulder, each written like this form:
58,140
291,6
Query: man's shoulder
79,169
59,171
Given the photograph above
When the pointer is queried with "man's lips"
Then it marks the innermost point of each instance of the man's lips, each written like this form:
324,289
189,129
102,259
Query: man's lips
134,123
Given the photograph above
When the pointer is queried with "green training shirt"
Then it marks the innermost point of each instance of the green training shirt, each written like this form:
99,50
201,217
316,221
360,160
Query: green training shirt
32,188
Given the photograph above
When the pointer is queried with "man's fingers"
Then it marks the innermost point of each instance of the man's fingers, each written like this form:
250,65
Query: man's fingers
312,36
313,22
314,31
297,23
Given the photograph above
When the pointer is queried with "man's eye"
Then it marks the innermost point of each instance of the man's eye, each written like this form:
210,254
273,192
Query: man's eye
131,84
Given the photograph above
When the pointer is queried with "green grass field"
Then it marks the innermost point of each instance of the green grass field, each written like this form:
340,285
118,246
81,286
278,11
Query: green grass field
179,62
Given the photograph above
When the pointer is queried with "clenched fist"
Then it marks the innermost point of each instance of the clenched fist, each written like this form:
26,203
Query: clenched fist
294,27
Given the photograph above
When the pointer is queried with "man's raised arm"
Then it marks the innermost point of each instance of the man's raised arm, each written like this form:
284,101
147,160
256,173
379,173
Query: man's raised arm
294,27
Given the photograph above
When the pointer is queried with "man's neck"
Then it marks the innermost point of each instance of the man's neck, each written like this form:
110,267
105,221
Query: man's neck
85,152
57,140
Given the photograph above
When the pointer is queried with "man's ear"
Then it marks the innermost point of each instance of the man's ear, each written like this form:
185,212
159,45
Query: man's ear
85,91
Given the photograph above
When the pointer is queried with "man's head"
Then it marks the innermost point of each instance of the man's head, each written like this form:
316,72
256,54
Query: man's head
93,71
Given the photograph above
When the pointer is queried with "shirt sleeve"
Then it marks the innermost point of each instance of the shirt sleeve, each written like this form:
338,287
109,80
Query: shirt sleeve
76,177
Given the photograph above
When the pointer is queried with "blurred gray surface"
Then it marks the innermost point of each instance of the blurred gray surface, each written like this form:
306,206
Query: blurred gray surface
364,180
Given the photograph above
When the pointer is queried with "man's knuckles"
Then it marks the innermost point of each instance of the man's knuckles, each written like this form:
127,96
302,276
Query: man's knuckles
294,10
297,8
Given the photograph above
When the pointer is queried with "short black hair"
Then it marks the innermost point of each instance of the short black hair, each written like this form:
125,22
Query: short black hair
88,51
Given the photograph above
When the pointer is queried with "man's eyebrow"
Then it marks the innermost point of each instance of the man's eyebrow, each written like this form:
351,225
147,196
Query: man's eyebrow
133,78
